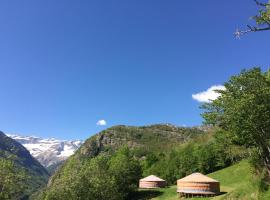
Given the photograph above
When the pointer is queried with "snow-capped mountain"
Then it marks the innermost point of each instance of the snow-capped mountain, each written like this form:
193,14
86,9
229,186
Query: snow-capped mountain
50,151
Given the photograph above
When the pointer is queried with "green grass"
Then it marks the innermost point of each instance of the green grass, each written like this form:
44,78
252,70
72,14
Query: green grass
237,183
167,193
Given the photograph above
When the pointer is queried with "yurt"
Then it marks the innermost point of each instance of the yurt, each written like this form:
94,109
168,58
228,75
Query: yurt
197,184
152,182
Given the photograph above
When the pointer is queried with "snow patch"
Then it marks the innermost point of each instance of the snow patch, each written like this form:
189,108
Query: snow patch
48,151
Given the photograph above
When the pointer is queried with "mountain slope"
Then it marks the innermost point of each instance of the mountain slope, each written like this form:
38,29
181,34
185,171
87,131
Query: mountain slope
49,152
15,152
239,182
140,140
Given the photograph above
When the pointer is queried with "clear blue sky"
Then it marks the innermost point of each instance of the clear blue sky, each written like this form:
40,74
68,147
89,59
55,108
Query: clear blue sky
64,65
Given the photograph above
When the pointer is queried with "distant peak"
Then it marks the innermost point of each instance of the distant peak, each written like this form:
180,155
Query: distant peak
48,151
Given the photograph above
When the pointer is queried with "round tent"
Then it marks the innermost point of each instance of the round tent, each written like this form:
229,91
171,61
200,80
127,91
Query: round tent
197,184
152,182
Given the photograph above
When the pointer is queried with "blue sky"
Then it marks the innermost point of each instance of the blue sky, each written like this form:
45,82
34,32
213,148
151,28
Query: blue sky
64,65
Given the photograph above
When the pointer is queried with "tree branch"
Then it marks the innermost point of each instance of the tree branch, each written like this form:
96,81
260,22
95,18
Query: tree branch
261,4
238,33
261,29
263,24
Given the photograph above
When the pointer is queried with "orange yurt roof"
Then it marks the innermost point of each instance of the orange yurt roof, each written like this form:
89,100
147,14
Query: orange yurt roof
152,178
197,177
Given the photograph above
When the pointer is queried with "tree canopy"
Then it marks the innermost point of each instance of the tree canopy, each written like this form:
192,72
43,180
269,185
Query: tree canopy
12,179
102,177
243,109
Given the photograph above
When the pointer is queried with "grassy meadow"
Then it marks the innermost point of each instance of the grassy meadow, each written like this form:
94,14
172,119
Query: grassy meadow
237,182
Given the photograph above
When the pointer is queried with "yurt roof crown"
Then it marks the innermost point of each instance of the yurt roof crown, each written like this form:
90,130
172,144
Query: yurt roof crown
197,177
152,178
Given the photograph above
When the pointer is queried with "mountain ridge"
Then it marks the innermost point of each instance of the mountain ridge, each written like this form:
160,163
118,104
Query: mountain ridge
49,152
134,137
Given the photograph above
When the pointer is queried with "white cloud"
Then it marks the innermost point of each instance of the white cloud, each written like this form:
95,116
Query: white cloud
209,94
101,122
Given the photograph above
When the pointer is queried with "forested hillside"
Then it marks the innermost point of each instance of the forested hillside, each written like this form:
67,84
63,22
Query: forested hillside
115,155
20,174
119,156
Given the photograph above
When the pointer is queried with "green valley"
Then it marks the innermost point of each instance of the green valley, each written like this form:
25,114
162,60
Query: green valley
134,100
